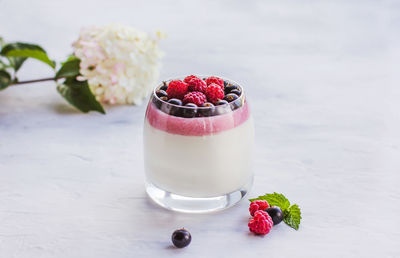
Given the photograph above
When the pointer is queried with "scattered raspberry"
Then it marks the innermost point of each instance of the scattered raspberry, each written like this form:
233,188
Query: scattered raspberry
195,97
190,77
258,205
214,92
177,89
196,84
261,223
216,80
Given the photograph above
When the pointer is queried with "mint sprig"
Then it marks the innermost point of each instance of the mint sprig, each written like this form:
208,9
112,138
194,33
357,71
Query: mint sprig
292,213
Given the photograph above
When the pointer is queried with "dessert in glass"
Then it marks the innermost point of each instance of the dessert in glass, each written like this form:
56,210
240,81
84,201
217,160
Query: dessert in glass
198,143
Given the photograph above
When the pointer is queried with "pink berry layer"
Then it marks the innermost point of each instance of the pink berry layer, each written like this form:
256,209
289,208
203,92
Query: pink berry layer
197,126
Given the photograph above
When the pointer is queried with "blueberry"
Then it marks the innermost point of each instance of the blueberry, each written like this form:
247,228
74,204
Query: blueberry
161,93
191,111
208,110
231,97
165,86
226,83
181,238
221,102
237,92
230,88
177,102
276,214
191,105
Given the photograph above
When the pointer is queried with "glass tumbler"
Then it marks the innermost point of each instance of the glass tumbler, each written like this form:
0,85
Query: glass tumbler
198,159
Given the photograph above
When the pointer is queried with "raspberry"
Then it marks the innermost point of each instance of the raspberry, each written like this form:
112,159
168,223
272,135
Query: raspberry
214,92
190,77
195,97
216,80
258,205
261,223
197,84
177,89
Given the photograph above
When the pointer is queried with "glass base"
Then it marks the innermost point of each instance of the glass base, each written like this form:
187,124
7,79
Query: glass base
181,203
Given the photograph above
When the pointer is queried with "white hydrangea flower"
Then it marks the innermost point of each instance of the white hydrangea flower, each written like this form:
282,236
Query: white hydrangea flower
120,63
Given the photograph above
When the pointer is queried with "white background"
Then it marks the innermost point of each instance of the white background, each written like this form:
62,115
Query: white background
323,81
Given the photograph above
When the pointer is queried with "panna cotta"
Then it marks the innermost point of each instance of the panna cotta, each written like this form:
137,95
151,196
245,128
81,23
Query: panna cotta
198,143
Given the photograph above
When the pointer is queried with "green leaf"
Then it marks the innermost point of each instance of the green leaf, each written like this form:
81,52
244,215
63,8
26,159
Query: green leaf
70,68
5,79
20,51
2,65
16,62
78,94
292,216
274,199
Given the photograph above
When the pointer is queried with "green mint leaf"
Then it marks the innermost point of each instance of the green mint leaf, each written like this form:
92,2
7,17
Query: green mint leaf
18,52
70,68
5,79
292,216
274,199
78,94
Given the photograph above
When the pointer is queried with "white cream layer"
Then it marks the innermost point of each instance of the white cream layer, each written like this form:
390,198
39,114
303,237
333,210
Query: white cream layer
199,166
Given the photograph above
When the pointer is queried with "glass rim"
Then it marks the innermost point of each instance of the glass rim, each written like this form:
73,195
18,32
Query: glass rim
241,98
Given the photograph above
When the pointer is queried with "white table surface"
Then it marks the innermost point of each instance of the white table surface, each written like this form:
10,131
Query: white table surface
323,81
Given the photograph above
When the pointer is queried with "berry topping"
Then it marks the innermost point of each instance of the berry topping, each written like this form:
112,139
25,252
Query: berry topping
261,223
181,238
275,213
190,77
192,105
221,102
231,97
214,93
237,92
216,80
207,104
161,93
191,111
165,86
230,88
177,102
258,205
177,89
197,84
195,97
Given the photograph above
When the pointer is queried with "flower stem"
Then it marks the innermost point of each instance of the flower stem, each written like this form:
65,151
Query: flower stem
37,80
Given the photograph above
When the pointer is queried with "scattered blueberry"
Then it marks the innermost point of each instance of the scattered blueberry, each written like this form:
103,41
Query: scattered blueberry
231,97
237,92
275,213
161,93
190,112
221,102
177,102
181,238
230,88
